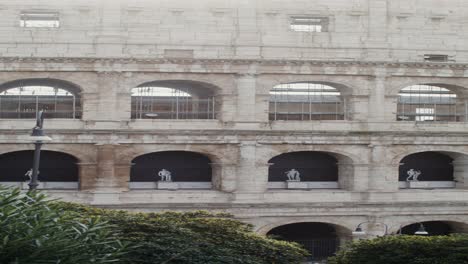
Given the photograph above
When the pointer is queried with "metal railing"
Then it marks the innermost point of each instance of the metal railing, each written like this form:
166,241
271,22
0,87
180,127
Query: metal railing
31,114
144,107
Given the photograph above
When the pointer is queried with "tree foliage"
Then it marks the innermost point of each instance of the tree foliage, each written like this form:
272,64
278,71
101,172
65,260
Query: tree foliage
33,232
194,237
405,250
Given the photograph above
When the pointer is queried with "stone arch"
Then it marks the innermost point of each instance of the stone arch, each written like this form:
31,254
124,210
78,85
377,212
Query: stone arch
68,85
175,99
22,98
458,86
431,102
343,225
83,154
321,239
308,169
57,170
348,162
452,151
434,226
125,156
221,158
183,165
307,101
341,154
345,85
224,84
460,163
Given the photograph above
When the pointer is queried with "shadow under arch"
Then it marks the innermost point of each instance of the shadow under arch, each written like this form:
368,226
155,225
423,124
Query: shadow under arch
434,227
439,168
54,166
184,166
329,169
321,239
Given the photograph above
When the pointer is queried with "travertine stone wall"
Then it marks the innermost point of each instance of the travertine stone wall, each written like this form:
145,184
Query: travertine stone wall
242,49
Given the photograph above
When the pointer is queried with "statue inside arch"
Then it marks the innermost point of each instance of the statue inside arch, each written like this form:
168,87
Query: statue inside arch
165,175
293,175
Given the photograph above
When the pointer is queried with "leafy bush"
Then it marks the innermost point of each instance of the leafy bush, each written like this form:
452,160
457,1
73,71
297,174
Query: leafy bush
194,237
405,250
33,232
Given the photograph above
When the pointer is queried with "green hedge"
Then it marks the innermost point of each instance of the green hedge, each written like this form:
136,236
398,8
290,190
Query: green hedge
33,232
193,237
404,249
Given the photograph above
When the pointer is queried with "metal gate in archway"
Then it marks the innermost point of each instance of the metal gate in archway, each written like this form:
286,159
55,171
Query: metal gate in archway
320,249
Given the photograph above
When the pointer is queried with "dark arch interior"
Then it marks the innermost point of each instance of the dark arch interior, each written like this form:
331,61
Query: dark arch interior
312,166
54,166
434,166
320,239
184,166
434,228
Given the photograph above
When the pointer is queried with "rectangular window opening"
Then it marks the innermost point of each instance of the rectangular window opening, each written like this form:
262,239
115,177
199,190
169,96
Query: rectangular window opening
436,57
309,24
425,114
39,19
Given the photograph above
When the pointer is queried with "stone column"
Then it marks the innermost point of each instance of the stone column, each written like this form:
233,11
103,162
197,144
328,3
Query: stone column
110,178
247,103
124,106
353,177
89,103
226,107
224,176
356,107
262,107
377,105
108,107
460,172
383,175
88,176
252,176
122,175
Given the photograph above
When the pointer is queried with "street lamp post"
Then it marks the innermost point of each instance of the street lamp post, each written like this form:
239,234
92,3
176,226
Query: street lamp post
360,232
38,137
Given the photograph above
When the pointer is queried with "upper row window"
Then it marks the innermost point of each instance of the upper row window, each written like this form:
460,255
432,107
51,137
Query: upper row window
39,19
178,99
309,24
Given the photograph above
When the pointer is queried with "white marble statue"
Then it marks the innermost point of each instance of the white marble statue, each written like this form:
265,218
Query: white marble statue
413,175
165,175
293,175
29,173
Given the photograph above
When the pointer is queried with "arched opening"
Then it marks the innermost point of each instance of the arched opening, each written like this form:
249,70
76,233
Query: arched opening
320,239
186,170
24,98
174,100
313,169
427,170
429,103
434,228
57,170
306,101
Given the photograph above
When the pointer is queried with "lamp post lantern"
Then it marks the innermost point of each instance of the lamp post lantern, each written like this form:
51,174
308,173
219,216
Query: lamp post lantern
39,138
360,232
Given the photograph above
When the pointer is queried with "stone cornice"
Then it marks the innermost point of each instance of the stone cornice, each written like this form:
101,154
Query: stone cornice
266,62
